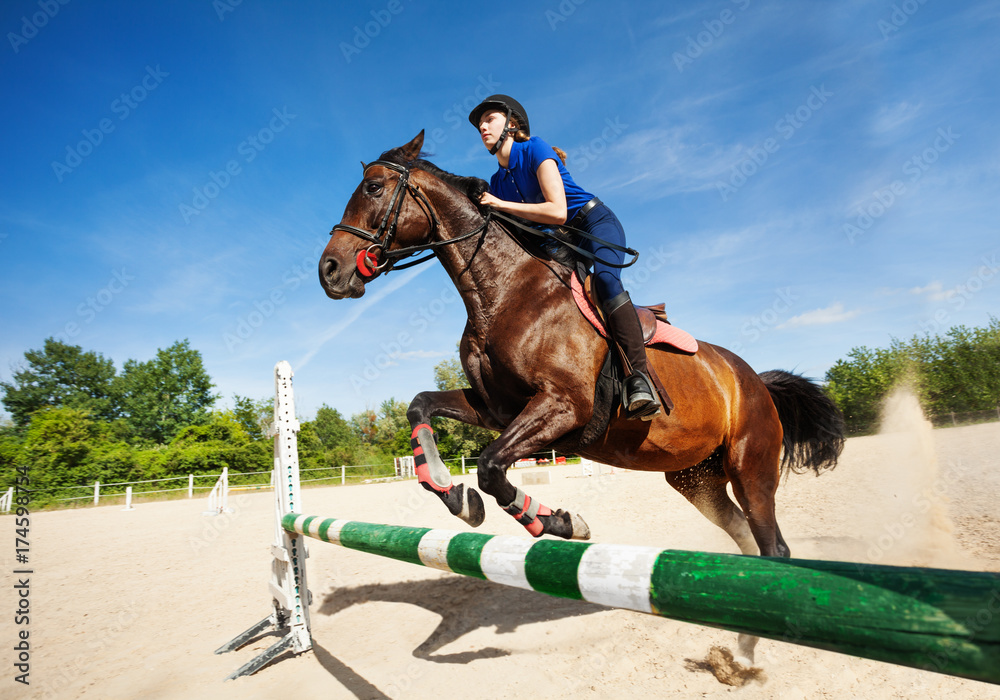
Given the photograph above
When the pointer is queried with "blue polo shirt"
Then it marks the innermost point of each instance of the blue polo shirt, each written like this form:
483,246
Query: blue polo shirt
518,182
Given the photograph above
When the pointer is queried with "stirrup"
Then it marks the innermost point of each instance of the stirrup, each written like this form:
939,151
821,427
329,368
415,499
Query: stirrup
641,401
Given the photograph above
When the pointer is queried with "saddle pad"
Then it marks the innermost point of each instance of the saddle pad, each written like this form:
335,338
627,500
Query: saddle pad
665,333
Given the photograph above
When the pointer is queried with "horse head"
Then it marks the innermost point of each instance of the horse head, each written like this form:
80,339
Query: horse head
390,216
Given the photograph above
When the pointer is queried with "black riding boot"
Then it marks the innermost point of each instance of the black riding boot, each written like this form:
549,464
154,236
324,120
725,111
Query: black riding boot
623,324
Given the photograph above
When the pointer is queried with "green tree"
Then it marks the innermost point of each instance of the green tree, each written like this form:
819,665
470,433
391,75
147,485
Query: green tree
60,375
365,425
11,455
254,416
332,429
392,428
448,375
57,447
456,438
962,369
220,441
859,384
160,397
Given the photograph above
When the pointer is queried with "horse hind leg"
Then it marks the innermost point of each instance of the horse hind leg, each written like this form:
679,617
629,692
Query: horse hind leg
704,485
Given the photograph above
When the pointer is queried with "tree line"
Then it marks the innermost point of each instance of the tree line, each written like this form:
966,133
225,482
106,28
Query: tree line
75,419
958,372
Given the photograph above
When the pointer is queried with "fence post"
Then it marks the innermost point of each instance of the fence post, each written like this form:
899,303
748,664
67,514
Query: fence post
463,457
128,498
97,491
553,456
343,474
225,489
190,485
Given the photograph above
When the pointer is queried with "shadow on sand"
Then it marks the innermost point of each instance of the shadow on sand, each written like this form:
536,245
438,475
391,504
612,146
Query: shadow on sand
464,604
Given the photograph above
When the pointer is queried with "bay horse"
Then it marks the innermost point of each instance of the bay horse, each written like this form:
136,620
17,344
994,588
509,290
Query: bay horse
533,362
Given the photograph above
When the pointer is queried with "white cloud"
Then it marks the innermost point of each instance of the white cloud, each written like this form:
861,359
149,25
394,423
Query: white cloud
889,117
821,317
934,291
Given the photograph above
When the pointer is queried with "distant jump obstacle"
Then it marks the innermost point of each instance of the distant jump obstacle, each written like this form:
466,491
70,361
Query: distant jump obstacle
934,619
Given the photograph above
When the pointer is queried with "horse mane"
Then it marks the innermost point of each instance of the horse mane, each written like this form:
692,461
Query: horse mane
552,248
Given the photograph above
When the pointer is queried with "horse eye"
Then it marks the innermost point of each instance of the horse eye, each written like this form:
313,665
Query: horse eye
373,188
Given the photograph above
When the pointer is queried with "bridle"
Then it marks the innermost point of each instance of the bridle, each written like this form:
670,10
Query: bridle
377,258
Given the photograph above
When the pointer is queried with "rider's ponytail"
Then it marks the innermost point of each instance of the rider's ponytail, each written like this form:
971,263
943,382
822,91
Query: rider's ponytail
521,136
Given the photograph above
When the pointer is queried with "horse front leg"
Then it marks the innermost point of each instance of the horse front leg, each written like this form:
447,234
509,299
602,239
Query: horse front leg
545,419
432,473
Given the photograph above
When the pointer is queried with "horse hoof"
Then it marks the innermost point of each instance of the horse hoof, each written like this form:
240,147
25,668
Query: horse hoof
473,510
463,502
745,646
563,524
581,531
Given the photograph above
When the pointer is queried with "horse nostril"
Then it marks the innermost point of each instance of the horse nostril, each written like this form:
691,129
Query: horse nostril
328,268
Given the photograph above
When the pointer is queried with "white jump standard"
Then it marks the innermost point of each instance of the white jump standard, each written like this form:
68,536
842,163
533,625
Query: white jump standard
290,596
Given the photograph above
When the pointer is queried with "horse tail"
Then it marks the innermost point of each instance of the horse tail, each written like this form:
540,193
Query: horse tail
813,425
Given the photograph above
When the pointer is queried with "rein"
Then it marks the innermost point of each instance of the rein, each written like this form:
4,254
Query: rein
377,258
531,230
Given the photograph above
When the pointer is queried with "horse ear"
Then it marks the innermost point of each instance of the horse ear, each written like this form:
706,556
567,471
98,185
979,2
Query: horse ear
411,151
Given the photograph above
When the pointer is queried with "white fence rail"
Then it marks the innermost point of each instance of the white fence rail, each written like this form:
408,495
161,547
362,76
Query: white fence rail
403,468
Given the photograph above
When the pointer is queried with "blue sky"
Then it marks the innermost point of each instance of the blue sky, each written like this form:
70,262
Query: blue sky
800,177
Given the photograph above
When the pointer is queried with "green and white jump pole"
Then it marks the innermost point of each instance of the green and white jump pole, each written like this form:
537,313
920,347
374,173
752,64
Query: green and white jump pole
934,619
940,620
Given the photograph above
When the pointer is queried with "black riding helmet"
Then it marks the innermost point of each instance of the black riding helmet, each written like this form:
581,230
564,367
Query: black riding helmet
501,103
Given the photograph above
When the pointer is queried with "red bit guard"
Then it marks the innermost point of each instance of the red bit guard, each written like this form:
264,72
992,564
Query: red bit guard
367,263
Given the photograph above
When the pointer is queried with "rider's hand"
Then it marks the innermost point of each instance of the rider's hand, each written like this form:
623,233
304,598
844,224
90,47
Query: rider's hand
488,200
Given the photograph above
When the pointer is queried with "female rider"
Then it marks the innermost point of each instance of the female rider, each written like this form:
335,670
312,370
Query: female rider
532,182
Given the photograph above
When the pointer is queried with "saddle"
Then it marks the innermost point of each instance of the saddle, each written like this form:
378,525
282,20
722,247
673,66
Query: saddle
656,329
